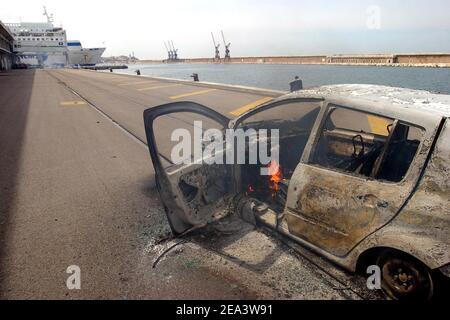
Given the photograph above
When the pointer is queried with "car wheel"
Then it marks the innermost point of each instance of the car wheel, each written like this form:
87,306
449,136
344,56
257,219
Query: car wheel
404,278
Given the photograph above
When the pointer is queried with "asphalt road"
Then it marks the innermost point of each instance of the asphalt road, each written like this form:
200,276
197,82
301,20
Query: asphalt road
77,188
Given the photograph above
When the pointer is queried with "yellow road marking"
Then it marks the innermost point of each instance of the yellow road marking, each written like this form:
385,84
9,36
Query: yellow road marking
195,93
240,111
73,104
379,125
159,87
139,82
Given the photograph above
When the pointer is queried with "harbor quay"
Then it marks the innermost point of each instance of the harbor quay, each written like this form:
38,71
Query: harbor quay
391,60
78,188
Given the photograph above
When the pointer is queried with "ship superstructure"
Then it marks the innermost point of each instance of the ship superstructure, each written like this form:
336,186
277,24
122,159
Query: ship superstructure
40,44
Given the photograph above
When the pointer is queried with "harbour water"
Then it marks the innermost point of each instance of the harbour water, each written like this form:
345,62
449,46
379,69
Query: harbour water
278,76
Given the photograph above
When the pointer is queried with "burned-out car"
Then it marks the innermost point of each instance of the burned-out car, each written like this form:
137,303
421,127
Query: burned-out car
363,177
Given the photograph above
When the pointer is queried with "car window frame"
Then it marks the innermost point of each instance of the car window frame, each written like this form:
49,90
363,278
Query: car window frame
328,106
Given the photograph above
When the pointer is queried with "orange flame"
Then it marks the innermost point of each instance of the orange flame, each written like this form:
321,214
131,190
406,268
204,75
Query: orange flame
276,176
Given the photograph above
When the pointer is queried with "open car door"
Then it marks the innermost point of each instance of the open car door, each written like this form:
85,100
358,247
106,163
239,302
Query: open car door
193,193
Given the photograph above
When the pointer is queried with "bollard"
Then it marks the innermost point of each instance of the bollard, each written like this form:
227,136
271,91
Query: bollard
296,85
138,72
195,76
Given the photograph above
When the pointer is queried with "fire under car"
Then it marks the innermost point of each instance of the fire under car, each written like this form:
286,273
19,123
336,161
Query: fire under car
363,178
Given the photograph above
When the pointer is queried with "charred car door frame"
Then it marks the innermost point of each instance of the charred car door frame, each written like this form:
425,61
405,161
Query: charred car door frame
181,215
334,210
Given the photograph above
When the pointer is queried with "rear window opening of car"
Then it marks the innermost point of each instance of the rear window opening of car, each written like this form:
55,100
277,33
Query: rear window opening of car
367,145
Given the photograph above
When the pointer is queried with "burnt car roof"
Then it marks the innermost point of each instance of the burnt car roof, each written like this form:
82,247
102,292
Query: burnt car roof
408,99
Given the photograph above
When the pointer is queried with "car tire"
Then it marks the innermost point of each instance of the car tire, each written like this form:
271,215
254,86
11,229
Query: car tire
404,277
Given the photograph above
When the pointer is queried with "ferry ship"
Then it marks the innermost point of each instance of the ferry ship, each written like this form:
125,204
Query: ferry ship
42,45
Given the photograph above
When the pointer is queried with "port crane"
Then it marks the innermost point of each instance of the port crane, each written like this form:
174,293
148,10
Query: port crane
227,48
216,46
169,51
174,52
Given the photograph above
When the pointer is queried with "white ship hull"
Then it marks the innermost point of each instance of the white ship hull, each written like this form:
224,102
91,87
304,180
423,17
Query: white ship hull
44,60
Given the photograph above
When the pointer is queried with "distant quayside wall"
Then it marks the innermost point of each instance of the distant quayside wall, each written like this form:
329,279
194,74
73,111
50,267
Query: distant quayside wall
428,60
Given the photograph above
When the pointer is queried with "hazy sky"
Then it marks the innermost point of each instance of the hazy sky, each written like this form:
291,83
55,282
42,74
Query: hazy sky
255,27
